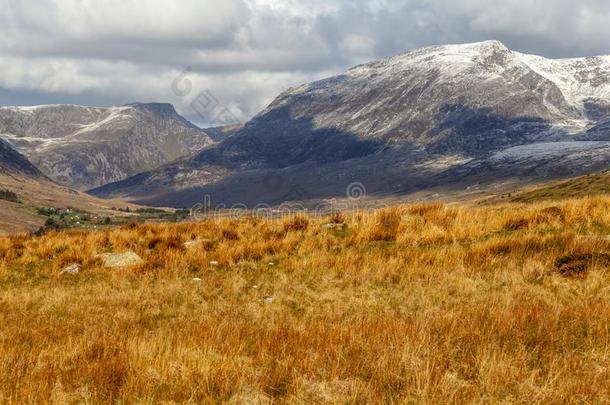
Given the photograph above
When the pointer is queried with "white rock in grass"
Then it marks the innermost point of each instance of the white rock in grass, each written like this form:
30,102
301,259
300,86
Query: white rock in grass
213,263
333,226
74,268
196,280
191,243
126,259
195,243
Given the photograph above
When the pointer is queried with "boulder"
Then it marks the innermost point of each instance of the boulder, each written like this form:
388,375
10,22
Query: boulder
267,299
73,268
126,259
333,225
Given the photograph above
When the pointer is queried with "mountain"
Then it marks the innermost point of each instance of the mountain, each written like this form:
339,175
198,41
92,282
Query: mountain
12,162
84,147
451,116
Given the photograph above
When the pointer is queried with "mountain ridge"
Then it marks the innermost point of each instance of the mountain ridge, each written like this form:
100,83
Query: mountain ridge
428,117
84,147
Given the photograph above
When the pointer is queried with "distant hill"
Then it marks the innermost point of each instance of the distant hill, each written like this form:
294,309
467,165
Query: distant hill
24,189
84,147
582,186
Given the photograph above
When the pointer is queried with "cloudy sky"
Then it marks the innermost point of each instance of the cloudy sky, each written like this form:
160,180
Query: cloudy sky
242,53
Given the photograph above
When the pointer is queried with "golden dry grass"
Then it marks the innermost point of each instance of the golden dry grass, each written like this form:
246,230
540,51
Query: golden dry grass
593,184
426,303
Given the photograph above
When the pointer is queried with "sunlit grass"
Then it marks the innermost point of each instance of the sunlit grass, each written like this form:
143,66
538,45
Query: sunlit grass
430,303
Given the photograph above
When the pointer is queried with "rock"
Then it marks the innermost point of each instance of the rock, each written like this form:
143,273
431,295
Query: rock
73,268
334,226
126,259
267,299
214,263
191,243
271,264
195,243
196,280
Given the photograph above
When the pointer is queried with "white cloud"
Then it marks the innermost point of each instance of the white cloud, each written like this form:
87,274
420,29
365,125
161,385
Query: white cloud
247,51
358,45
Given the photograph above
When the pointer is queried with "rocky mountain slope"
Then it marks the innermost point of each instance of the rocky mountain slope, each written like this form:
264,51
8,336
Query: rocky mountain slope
12,162
219,134
84,147
455,116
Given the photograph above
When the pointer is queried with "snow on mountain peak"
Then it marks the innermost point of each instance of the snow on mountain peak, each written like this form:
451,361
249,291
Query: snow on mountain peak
579,79
566,87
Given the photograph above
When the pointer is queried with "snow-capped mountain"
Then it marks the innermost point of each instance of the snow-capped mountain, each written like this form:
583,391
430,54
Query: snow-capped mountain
84,147
431,96
429,117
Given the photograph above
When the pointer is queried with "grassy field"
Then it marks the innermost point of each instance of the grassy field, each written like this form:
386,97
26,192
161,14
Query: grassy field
590,185
423,303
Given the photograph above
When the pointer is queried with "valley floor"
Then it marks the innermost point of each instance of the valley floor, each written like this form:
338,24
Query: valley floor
417,303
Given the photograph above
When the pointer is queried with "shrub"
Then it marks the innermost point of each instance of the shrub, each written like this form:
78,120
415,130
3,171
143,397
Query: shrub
8,195
297,224
46,211
168,243
577,265
229,234
149,211
337,218
516,224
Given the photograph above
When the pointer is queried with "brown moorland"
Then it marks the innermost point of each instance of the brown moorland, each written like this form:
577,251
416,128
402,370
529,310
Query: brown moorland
416,303
31,193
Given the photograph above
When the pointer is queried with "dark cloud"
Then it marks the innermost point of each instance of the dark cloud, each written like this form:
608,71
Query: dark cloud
247,51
